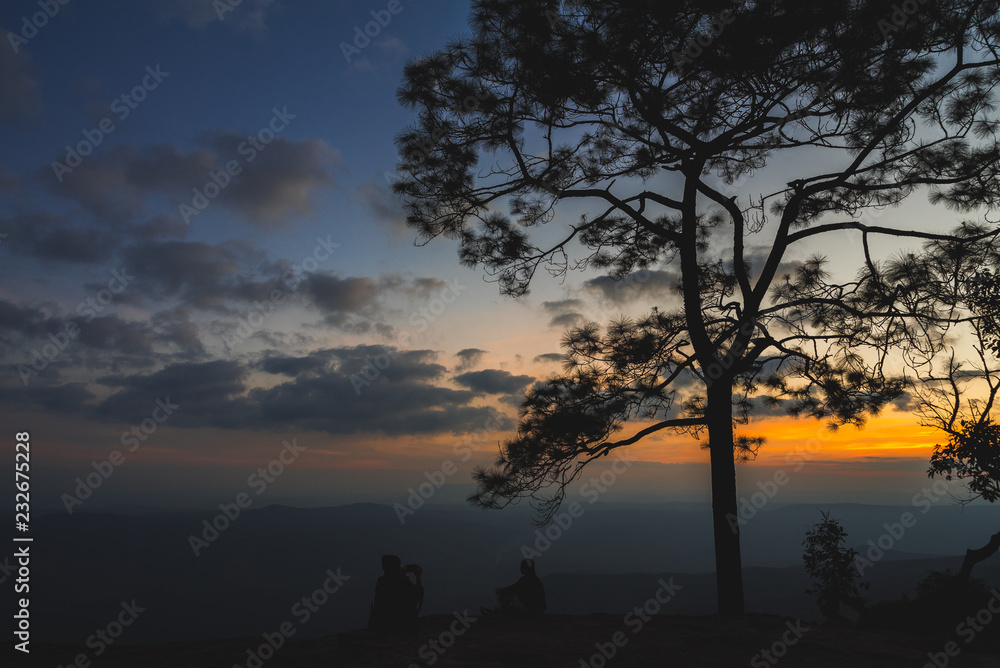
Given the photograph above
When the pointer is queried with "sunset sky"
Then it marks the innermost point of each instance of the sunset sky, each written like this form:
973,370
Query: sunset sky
197,208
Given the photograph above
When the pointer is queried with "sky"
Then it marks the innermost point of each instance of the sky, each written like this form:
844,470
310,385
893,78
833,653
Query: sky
203,263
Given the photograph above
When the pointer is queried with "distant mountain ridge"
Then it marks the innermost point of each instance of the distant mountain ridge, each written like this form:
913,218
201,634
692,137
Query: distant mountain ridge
247,579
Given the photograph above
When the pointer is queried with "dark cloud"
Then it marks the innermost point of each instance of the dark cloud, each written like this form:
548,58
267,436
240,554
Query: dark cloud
54,237
493,381
201,275
333,294
280,180
181,337
906,402
293,366
564,312
345,390
567,320
96,340
27,320
110,332
331,402
331,391
513,400
640,284
367,389
469,357
21,99
277,182
549,357
59,399
207,393
562,306
390,363
352,303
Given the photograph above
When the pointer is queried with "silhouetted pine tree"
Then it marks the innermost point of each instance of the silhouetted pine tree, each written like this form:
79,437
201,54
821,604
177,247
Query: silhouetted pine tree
631,108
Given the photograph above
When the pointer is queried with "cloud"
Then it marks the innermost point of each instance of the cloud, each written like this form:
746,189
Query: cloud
549,357
567,320
323,396
341,390
564,312
493,381
54,237
279,181
111,332
135,343
293,366
206,392
562,306
329,402
353,294
45,238
201,275
59,399
384,206
249,15
637,285
21,99
27,320
390,362
353,303
393,47
469,357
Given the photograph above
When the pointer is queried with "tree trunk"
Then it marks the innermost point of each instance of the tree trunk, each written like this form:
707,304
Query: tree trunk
973,557
728,561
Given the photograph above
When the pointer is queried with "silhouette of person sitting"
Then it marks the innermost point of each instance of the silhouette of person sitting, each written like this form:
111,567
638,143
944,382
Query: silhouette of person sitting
397,600
524,597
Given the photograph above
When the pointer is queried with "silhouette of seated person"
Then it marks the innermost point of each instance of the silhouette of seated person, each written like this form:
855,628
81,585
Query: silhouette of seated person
523,598
397,600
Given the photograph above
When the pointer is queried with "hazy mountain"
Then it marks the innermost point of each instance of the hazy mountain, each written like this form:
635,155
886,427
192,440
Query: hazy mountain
252,576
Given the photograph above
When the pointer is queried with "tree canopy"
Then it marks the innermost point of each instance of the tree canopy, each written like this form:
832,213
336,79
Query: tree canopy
658,118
